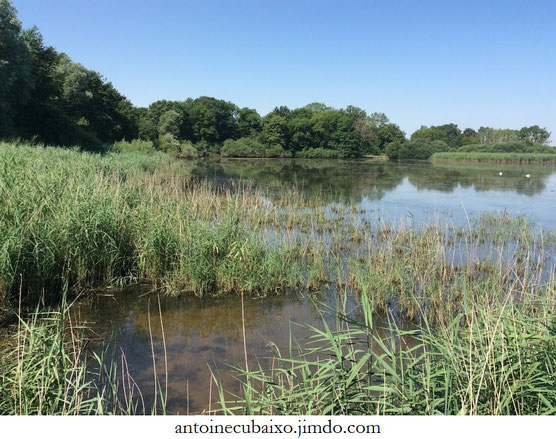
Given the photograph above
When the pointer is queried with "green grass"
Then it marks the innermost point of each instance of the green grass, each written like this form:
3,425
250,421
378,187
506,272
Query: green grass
486,360
48,369
72,220
495,157
481,297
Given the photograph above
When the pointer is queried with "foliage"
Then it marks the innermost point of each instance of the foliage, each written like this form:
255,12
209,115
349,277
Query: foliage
135,145
414,149
46,96
168,143
15,69
188,151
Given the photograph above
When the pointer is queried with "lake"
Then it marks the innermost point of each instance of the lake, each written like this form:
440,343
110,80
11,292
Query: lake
193,338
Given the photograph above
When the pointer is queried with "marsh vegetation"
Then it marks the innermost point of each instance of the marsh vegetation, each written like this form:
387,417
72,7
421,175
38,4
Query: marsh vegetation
421,315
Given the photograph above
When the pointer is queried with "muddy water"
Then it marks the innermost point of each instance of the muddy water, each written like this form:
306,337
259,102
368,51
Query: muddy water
192,338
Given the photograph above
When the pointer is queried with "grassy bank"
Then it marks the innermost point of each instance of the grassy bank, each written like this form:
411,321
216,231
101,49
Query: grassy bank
496,157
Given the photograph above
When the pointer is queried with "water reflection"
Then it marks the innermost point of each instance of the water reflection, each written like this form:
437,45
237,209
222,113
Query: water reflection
350,180
200,334
391,189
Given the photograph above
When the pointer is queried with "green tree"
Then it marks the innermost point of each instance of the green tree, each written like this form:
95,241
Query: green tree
249,122
273,130
15,68
212,120
387,134
169,123
534,134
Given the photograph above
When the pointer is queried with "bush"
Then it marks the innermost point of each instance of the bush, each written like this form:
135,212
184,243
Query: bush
276,151
188,151
414,149
319,153
168,143
205,148
135,145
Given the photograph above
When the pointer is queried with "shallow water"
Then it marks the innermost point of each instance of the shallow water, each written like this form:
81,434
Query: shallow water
414,191
204,335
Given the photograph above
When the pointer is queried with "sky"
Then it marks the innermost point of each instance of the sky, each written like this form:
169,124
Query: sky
474,63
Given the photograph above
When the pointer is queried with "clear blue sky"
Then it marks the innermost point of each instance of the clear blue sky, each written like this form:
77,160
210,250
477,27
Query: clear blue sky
473,63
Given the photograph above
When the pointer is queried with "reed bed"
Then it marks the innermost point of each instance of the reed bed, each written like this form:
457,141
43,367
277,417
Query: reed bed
72,221
496,157
47,368
487,360
481,295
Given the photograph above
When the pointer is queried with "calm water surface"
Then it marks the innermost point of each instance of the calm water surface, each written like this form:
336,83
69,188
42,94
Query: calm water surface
204,335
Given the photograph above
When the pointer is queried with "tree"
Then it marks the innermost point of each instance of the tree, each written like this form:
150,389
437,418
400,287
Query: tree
15,68
318,107
169,123
248,122
213,120
387,134
449,133
494,135
378,120
273,130
534,134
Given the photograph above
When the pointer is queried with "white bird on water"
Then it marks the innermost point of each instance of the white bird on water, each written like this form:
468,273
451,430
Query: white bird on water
528,175
500,173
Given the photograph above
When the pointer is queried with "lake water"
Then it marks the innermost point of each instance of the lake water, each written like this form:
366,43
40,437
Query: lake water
204,335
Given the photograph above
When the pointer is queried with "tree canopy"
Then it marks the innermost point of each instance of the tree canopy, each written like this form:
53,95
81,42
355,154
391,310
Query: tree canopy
47,97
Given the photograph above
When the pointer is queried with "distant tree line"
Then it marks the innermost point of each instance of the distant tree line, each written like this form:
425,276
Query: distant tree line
449,137
46,97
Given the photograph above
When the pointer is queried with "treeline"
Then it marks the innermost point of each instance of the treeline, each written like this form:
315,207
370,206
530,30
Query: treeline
218,127
427,141
47,98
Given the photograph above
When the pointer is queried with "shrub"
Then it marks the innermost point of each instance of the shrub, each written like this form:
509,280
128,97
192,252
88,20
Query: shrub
145,146
414,149
168,143
276,151
188,151
205,148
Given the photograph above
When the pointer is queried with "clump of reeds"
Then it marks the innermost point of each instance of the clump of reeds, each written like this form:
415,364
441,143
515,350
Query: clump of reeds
48,368
72,220
487,360
495,157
